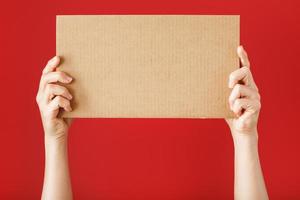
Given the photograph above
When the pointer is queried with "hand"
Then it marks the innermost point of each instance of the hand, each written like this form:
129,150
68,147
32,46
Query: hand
244,100
51,97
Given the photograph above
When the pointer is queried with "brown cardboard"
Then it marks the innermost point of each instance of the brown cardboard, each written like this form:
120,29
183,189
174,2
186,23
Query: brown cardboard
148,66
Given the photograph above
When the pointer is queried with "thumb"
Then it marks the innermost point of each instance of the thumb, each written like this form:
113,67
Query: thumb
243,56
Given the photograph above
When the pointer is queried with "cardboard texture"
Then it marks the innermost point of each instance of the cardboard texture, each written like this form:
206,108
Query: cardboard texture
148,66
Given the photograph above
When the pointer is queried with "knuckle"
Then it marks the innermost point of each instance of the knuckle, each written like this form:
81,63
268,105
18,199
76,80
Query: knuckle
246,69
258,96
238,87
37,98
59,99
232,76
258,105
238,102
43,79
62,101
49,87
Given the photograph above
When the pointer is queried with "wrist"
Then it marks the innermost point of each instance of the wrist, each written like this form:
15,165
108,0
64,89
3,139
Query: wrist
55,129
245,140
55,141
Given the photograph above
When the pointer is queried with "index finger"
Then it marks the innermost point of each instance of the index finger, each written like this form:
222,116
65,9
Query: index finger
241,75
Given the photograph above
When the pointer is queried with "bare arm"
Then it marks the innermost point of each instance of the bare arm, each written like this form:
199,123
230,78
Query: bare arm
244,101
50,98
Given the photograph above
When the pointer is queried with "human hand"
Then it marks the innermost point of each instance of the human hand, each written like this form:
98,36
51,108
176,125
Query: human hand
51,97
244,100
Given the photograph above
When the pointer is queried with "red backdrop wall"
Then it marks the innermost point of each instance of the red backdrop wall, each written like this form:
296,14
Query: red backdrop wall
150,158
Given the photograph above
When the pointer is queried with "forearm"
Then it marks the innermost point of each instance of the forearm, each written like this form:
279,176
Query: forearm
249,181
57,184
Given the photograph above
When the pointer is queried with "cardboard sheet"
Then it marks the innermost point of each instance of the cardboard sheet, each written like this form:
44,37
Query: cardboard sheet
148,66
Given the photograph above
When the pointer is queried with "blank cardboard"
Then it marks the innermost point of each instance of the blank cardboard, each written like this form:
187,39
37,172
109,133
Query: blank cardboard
148,66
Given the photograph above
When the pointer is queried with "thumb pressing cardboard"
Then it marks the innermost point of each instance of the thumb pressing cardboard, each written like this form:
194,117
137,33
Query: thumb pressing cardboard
148,66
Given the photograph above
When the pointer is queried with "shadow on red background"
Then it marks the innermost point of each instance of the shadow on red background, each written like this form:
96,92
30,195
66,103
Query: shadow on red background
150,158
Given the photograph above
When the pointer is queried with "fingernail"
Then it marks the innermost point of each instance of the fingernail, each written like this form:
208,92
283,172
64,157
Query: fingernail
70,96
240,49
54,59
69,79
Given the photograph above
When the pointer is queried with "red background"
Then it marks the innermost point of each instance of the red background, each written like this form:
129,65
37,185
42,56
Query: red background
150,158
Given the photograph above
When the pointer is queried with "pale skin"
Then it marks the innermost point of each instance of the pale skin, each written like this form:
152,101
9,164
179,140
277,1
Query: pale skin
244,101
